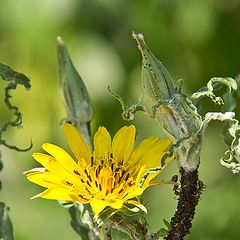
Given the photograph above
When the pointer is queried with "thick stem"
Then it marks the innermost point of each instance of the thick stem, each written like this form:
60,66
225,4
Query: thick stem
191,189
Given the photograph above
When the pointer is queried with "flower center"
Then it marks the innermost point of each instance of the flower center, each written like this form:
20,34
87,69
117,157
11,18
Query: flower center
103,178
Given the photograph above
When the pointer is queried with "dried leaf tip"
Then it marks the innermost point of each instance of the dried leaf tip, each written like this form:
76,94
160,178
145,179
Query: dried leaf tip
140,40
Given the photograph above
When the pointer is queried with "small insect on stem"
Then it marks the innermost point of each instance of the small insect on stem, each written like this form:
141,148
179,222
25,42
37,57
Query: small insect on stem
176,185
201,187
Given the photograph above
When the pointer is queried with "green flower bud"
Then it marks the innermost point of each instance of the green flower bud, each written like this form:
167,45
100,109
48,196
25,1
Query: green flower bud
74,93
156,79
175,113
73,90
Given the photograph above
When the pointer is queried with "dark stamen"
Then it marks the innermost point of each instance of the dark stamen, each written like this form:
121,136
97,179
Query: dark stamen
76,172
88,183
88,191
98,170
92,160
112,166
120,191
86,172
80,195
89,177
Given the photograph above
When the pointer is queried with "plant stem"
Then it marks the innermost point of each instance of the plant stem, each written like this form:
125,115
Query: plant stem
191,189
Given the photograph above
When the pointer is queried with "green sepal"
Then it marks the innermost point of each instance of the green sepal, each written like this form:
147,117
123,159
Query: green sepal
106,214
66,204
128,210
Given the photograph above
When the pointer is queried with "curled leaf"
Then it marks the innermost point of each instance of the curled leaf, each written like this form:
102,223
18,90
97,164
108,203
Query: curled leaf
212,86
14,78
232,155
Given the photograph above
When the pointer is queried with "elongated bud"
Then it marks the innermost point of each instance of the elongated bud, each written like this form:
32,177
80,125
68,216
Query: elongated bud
73,92
156,79
173,111
175,114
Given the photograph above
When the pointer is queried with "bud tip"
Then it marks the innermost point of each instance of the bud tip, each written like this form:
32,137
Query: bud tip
60,40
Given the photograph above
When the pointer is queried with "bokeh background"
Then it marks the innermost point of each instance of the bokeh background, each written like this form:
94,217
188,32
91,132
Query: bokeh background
195,40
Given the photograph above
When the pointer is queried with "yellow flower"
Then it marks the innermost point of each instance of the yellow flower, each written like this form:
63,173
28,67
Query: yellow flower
107,177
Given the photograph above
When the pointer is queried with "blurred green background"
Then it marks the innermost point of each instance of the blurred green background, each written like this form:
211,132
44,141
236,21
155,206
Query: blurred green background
195,40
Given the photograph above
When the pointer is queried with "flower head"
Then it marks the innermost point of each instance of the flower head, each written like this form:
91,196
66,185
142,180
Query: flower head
107,177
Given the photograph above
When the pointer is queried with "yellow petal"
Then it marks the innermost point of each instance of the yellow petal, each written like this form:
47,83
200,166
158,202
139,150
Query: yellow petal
134,193
76,143
146,183
56,194
145,146
46,179
117,204
50,163
78,199
152,175
98,205
123,143
61,156
140,174
102,142
150,152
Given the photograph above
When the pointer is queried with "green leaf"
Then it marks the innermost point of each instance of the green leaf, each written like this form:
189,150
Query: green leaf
229,102
6,230
161,233
167,224
14,78
231,160
77,224
213,85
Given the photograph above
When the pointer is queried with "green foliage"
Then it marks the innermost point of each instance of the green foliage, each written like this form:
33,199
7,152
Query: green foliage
195,41
77,223
216,83
14,78
6,230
